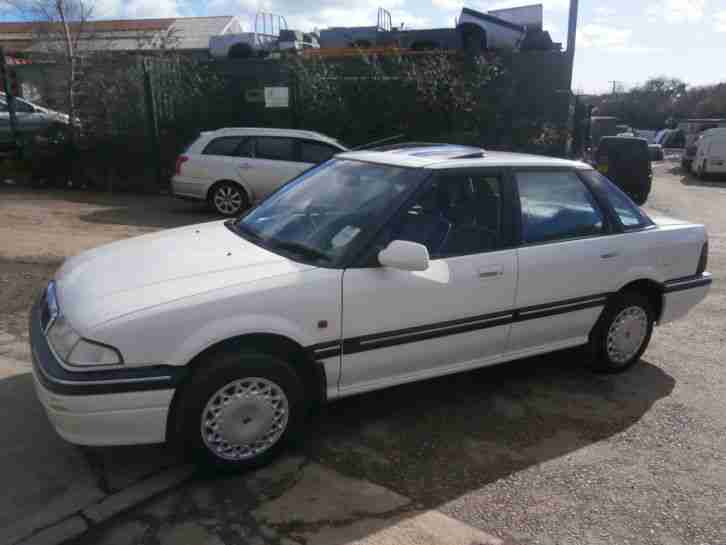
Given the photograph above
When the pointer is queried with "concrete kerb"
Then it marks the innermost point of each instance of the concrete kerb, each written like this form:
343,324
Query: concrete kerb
110,506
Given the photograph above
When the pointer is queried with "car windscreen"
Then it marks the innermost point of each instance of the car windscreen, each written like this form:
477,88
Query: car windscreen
325,214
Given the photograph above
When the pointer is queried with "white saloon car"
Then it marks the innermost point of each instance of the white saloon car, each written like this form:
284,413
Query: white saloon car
373,269
234,168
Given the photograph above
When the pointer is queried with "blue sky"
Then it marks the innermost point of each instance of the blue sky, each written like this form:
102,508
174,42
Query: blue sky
623,40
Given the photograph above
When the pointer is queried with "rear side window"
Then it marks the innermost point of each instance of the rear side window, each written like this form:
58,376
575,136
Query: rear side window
627,211
279,149
556,206
316,152
224,145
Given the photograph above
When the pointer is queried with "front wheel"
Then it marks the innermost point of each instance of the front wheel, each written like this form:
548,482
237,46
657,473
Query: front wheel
622,333
239,410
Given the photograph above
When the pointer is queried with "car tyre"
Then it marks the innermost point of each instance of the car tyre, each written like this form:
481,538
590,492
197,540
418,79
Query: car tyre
701,172
239,411
640,197
622,333
228,199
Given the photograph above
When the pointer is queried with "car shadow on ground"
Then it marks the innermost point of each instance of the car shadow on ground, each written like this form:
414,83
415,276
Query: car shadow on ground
437,440
688,178
432,441
166,215
121,209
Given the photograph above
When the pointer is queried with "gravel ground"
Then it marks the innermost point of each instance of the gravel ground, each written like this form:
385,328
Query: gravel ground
536,452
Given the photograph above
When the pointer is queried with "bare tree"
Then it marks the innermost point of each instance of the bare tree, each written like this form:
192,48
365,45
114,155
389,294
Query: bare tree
62,28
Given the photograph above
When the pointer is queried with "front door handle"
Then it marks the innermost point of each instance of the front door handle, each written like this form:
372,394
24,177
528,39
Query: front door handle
245,166
491,272
609,255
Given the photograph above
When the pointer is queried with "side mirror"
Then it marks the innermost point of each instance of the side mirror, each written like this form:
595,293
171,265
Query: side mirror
405,255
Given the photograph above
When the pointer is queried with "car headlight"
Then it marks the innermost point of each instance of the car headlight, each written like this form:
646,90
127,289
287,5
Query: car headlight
71,348
90,353
62,337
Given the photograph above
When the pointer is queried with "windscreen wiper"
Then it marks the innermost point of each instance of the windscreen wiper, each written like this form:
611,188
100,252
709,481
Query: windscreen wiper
301,249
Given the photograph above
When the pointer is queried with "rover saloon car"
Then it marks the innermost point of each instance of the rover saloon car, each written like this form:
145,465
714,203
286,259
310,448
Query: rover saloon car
373,269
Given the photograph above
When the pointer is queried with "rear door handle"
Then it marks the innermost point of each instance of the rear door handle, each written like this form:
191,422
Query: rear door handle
491,272
609,255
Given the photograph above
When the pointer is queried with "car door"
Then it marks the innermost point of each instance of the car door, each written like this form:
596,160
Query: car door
405,325
273,162
29,119
568,261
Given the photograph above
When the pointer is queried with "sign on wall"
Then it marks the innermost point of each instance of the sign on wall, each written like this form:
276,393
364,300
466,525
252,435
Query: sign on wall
277,97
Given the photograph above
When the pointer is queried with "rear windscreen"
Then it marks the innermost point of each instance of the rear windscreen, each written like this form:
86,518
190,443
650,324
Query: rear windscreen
626,150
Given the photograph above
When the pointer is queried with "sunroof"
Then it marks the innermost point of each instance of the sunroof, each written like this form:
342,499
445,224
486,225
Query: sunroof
447,152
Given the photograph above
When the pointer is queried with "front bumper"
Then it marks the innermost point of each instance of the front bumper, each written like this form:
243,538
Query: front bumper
113,407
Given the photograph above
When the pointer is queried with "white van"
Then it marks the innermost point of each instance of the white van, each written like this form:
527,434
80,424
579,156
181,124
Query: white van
711,154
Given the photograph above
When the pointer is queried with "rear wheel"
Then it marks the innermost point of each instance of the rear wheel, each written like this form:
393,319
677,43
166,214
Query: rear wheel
640,197
240,410
701,172
622,333
228,198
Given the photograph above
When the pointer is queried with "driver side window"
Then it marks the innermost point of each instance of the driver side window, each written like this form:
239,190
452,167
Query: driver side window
456,215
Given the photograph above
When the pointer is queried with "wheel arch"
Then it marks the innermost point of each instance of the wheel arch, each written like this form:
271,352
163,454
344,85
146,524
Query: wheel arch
649,288
311,372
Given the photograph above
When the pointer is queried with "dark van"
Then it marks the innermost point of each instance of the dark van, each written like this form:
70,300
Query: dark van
626,161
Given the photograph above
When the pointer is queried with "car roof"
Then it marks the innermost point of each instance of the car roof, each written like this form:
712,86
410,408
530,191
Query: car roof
447,156
264,131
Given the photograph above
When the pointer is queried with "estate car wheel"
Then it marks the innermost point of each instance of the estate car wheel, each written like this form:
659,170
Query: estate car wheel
228,199
622,333
239,410
701,172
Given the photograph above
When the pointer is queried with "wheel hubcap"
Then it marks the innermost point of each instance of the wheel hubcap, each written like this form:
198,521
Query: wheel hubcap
627,334
228,200
244,418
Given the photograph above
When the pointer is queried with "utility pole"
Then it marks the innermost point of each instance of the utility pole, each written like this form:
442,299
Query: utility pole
9,99
615,83
571,39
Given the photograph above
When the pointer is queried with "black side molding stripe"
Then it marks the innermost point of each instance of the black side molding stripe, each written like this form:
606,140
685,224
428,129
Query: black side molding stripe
687,283
591,298
523,316
396,337
353,346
